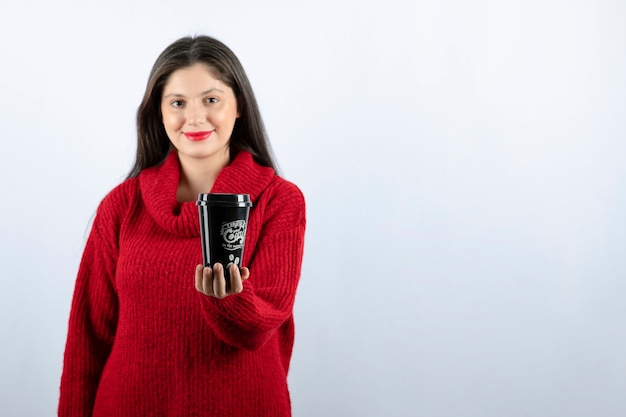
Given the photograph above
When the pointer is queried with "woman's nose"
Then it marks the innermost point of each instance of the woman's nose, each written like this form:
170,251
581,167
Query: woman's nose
196,114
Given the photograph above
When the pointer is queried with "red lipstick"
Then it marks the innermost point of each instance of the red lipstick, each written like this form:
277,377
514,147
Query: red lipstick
197,136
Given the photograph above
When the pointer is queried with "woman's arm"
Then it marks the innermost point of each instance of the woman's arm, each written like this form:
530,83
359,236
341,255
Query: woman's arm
93,317
247,319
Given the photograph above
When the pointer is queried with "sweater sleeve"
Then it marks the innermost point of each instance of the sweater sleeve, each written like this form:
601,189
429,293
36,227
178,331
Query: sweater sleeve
247,320
93,315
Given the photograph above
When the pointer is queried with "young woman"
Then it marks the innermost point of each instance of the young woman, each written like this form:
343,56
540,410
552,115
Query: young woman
152,332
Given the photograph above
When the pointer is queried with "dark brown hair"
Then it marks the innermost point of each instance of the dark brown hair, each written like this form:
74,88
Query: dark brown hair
249,134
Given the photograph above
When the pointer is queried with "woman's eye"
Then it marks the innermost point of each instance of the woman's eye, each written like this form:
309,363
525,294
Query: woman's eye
210,100
177,103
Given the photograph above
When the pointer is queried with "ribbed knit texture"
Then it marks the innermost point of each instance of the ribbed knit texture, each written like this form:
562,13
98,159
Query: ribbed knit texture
143,342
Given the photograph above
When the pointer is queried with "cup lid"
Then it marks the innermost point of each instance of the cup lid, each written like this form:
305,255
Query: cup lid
223,199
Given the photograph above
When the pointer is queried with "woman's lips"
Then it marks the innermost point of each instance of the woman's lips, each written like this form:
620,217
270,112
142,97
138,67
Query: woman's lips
196,136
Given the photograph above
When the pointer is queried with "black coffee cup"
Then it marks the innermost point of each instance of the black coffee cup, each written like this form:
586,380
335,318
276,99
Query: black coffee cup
223,225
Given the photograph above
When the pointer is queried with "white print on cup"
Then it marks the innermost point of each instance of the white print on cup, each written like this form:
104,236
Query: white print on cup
233,234
233,259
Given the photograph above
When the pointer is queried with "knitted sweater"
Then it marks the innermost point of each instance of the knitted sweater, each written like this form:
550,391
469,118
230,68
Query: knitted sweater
142,341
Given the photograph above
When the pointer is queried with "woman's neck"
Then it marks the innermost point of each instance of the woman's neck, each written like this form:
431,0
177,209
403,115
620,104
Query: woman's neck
198,176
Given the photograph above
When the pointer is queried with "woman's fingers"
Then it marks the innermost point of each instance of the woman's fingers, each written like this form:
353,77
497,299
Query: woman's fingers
245,273
199,277
236,284
219,283
204,280
212,282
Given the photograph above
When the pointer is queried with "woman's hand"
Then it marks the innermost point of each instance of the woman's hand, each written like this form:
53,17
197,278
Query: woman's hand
211,281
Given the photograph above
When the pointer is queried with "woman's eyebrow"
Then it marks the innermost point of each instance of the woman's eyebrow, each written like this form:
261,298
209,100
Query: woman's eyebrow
178,95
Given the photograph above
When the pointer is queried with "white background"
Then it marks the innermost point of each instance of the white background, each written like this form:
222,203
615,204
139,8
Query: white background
464,168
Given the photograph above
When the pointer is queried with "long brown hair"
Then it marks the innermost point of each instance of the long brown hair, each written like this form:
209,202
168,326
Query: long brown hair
249,133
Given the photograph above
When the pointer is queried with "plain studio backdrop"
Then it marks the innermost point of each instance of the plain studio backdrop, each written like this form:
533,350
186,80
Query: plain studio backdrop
464,169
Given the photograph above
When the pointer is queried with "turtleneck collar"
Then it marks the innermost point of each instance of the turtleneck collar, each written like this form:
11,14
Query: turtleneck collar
159,185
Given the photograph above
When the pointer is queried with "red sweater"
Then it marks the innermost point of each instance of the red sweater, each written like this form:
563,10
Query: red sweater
143,342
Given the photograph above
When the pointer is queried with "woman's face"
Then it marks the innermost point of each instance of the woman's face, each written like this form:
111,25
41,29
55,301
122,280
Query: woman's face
199,113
